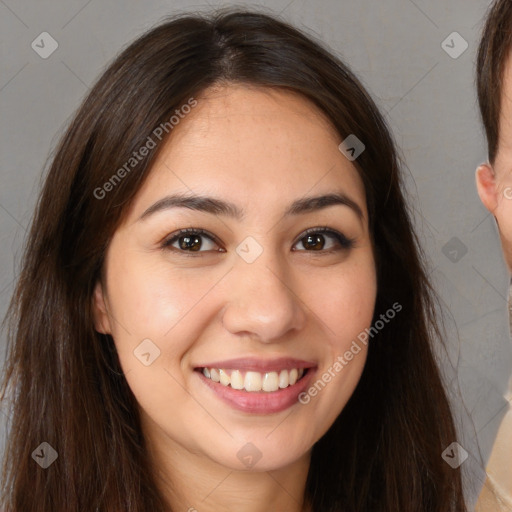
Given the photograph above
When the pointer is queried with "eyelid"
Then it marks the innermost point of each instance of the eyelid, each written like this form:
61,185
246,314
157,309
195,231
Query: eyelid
173,237
344,241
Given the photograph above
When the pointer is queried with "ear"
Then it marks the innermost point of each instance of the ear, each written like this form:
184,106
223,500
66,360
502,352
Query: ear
487,187
99,308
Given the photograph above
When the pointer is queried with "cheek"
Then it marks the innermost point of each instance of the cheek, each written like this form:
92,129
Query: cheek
344,300
158,313
504,215
154,299
345,305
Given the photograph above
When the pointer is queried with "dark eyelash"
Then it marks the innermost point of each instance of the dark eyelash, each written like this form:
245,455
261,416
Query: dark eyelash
187,231
345,243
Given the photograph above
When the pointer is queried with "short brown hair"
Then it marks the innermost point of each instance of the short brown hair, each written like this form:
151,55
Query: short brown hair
493,53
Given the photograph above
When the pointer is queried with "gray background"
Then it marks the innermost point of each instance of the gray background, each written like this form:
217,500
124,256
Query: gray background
428,98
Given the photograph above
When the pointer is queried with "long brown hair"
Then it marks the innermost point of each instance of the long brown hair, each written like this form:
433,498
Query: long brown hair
383,453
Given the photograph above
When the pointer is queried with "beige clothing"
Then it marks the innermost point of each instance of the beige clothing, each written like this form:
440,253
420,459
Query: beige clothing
496,495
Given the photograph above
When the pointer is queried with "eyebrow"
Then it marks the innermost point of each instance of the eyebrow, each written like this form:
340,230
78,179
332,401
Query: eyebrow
220,207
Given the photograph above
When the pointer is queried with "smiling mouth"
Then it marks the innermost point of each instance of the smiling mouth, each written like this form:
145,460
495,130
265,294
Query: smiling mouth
252,381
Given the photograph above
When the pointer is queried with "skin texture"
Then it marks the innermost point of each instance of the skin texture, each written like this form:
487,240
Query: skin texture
261,150
494,182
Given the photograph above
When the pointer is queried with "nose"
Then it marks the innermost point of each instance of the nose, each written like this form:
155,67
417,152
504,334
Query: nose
262,301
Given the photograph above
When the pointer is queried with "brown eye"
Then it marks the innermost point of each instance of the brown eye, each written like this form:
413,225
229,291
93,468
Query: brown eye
325,239
316,242
190,240
192,243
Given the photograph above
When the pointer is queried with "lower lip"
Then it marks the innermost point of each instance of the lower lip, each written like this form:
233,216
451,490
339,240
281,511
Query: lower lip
260,402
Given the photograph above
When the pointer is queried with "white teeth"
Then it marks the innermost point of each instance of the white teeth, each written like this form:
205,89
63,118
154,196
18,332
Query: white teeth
224,378
254,381
270,382
237,381
283,379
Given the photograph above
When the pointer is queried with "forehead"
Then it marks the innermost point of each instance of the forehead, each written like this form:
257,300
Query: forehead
505,120
246,141
223,109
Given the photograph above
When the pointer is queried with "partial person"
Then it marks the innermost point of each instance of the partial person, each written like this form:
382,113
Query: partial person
494,185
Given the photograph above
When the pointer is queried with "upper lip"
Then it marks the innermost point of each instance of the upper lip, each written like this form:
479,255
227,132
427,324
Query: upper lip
260,365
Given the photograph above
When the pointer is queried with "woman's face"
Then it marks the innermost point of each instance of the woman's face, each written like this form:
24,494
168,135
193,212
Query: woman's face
255,296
